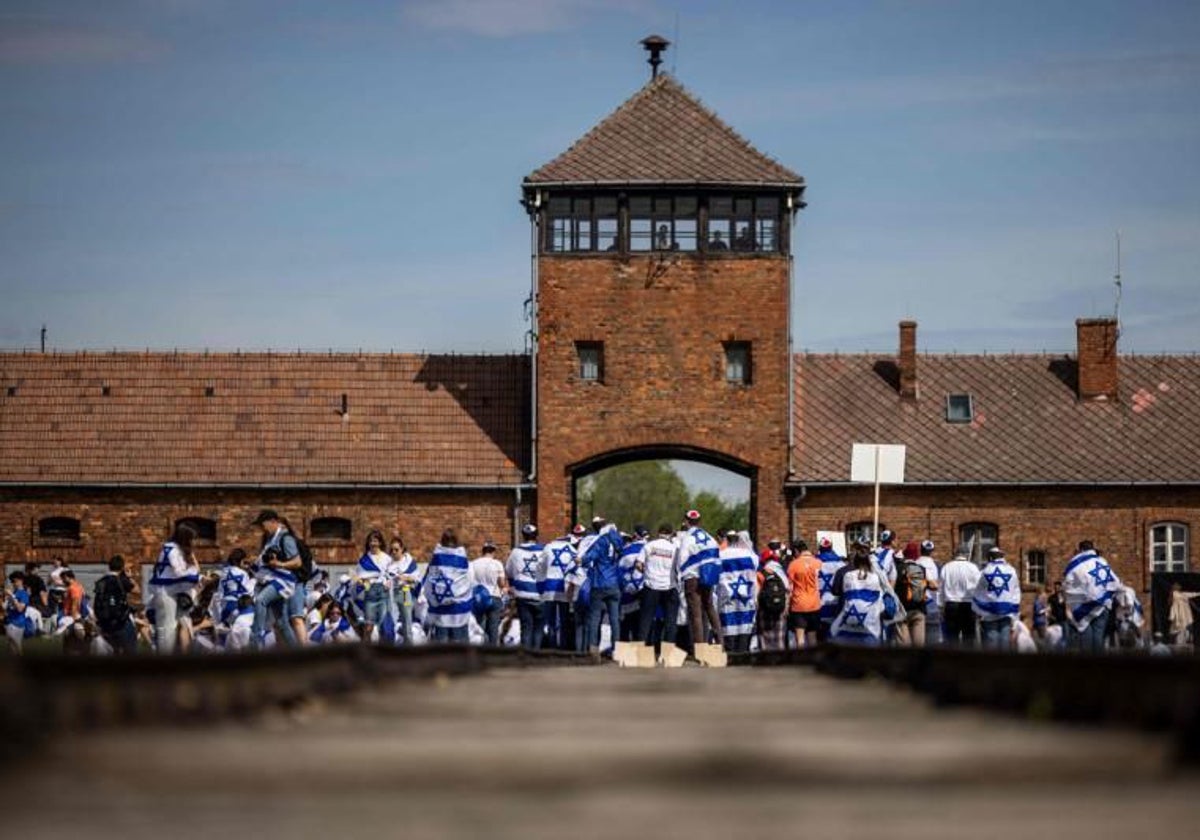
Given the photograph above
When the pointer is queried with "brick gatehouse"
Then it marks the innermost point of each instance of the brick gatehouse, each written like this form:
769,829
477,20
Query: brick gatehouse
661,292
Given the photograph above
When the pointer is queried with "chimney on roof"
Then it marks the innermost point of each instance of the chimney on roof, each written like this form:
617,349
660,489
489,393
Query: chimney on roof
1096,340
907,362
656,45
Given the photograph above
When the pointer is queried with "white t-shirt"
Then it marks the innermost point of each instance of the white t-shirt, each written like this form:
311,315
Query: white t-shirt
661,572
959,579
486,572
931,576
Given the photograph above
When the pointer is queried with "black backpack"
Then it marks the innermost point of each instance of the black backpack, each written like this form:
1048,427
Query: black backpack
910,585
772,601
305,572
110,604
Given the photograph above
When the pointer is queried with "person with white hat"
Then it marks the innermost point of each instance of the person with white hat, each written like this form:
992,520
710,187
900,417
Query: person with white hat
959,578
933,615
525,575
997,601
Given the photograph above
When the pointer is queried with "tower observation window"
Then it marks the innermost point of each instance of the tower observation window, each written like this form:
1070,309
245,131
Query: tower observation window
582,224
663,223
743,223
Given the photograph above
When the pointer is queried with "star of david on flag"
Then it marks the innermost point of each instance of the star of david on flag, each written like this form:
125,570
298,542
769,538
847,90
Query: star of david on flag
529,566
739,590
1101,573
854,616
997,581
562,558
702,538
826,582
442,587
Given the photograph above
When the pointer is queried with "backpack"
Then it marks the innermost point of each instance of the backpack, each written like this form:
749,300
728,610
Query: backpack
910,585
305,572
773,598
110,604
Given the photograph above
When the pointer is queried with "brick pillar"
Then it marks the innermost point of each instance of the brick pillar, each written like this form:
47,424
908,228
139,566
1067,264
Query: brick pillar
1097,349
908,360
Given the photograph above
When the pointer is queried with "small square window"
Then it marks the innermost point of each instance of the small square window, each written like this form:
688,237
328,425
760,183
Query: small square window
591,360
12,390
105,391
960,408
737,362
1035,568
209,390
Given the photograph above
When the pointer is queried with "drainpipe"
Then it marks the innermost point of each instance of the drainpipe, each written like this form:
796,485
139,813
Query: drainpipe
516,528
534,214
791,360
797,498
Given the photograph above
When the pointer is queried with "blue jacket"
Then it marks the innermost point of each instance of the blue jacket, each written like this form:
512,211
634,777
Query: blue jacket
603,559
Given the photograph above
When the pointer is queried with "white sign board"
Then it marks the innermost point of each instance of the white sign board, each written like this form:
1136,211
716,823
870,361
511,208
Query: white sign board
889,457
838,538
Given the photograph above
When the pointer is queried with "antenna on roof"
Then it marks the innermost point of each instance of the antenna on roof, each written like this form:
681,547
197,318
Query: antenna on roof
675,55
1117,283
655,45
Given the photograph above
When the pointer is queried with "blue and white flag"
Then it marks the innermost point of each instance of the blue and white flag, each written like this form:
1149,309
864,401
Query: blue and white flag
736,603
524,571
374,568
886,559
830,563
697,549
282,579
998,593
1089,585
232,584
859,620
632,578
558,563
328,632
174,573
447,587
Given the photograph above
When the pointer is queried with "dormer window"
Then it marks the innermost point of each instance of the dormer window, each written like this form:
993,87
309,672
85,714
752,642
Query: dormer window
960,408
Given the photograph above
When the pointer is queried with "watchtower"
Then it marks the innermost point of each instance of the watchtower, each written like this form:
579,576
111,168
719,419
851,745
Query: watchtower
661,290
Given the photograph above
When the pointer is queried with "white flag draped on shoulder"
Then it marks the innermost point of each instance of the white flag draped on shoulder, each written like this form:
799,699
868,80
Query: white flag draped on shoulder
447,587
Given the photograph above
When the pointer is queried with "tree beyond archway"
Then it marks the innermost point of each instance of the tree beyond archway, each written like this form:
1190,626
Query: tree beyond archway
651,493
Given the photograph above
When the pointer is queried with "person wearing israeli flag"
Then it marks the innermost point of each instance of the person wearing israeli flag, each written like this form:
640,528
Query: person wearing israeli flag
737,592
1127,610
524,572
233,582
241,625
447,586
275,578
885,556
335,628
859,587
1090,585
372,573
997,601
558,560
173,585
633,578
406,581
699,572
831,564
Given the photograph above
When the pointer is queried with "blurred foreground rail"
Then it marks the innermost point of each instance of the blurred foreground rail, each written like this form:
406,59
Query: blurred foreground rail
607,753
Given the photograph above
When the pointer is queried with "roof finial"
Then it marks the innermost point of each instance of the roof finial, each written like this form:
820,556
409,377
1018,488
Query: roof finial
655,45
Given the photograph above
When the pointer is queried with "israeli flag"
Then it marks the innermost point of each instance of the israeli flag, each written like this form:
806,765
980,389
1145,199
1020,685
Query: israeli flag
1090,586
447,587
736,605
632,579
699,549
859,621
524,571
826,574
998,593
558,562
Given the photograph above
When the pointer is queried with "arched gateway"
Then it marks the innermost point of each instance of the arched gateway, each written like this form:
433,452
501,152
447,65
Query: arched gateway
661,294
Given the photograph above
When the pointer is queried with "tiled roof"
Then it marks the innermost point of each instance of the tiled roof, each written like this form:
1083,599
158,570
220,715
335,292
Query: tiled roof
663,134
1028,426
272,418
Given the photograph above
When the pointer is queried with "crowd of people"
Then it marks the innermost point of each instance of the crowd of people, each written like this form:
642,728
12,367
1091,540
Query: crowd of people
585,591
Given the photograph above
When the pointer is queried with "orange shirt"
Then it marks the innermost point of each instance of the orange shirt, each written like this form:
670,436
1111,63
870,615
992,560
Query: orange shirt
806,590
73,599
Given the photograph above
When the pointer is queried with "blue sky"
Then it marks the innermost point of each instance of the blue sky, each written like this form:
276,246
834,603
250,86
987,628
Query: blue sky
229,173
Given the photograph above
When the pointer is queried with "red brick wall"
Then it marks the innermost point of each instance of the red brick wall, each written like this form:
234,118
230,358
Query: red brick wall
135,522
1097,347
663,322
1053,520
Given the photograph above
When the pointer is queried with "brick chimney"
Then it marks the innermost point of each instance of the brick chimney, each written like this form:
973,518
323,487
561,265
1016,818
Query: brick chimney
1097,348
908,360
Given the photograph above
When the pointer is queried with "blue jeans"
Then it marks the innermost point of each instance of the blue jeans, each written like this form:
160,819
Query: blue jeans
375,604
489,619
404,613
267,613
1090,640
556,625
529,612
451,635
996,634
603,600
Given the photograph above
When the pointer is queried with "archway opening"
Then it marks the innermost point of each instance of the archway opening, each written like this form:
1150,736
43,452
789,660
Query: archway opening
655,487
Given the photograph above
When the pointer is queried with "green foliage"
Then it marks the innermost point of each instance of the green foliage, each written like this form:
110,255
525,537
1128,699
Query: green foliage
651,493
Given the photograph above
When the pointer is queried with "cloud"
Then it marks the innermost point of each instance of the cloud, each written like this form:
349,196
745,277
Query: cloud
505,18
42,42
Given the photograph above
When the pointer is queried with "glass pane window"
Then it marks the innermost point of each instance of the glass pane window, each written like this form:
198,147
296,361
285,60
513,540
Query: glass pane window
863,530
1169,547
977,538
591,360
663,223
581,223
1035,567
737,362
960,408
